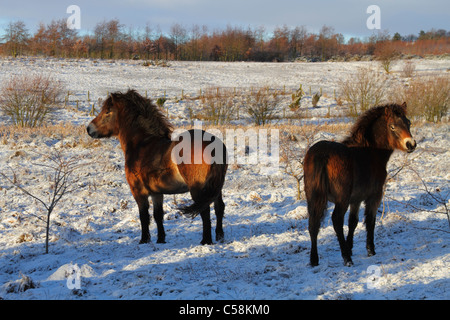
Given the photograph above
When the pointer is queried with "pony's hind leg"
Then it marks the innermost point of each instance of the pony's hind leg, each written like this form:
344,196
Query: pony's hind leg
338,225
205,213
313,228
158,215
219,209
206,219
352,223
316,210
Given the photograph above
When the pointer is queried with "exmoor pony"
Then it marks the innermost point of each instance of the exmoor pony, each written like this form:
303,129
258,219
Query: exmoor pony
151,171
353,171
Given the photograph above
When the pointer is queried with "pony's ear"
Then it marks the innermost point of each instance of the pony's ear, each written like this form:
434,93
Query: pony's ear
113,97
404,106
110,101
387,112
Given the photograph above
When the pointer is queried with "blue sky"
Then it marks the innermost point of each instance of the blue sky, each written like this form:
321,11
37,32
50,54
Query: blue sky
345,16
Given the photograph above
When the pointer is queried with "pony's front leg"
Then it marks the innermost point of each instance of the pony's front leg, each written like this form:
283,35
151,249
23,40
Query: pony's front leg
158,215
371,213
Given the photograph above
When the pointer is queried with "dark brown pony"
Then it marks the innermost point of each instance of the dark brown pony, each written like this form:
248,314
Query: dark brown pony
150,167
353,171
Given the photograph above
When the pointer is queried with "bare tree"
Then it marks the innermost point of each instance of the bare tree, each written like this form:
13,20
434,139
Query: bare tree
178,36
437,196
114,29
16,37
386,55
60,171
107,33
298,39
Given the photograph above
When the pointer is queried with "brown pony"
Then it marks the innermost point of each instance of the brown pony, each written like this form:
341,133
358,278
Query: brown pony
353,171
152,170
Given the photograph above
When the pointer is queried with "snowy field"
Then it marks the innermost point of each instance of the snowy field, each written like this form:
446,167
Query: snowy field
95,230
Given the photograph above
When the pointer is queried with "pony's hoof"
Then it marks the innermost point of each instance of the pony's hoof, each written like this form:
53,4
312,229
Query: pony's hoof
161,241
206,242
220,238
144,241
313,263
348,263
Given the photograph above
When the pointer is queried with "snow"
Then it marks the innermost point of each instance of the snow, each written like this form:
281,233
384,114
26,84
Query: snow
95,230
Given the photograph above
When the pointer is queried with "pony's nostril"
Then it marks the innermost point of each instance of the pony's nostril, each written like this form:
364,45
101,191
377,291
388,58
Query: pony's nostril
91,131
411,145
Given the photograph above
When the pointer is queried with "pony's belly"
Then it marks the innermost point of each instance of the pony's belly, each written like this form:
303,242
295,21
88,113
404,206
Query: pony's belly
173,190
168,185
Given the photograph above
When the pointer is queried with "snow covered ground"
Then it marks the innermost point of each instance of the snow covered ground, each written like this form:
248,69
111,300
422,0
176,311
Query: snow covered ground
95,230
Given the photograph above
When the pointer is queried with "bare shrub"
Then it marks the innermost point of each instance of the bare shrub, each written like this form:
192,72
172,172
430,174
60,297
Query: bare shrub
363,90
21,285
218,105
386,54
261,105
427,98
29,100
408,69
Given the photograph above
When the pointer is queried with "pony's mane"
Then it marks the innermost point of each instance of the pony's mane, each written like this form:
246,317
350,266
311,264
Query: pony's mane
362,133
142,113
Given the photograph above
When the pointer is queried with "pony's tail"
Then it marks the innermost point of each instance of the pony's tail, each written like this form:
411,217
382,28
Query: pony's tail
210,191
316,186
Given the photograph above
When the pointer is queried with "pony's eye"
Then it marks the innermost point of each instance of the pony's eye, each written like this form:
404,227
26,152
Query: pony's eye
392,127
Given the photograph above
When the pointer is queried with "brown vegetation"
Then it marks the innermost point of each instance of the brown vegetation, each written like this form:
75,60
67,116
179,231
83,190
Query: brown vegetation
29,100
112,40
426,98
363,90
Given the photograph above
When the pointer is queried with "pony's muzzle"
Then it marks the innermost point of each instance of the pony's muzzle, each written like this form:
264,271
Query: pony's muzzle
410,145
92,130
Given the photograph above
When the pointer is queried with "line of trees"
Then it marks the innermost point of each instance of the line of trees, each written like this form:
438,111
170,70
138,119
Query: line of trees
112,40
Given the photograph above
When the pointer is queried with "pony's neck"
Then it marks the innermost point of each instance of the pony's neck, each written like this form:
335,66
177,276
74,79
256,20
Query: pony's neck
130,141
374,136
131,135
